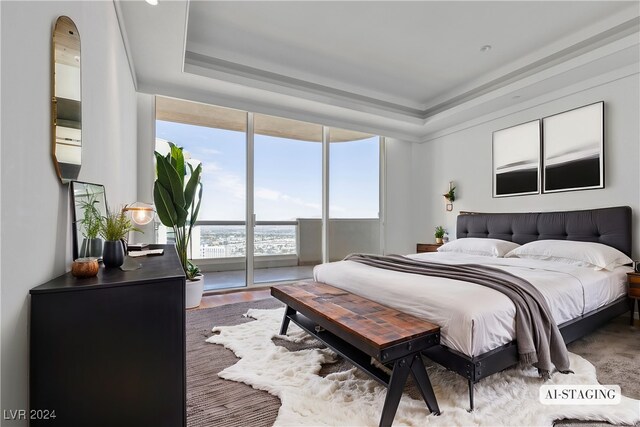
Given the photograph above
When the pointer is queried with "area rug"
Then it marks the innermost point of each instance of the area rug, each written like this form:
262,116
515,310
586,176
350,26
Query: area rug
349,397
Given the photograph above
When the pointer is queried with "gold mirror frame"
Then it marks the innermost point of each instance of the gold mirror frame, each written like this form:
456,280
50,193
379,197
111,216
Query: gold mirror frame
66,100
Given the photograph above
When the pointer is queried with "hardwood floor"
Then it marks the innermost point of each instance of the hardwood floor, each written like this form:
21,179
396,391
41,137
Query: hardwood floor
209,301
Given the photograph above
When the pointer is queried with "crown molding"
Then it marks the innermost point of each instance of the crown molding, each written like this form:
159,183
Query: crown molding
218,68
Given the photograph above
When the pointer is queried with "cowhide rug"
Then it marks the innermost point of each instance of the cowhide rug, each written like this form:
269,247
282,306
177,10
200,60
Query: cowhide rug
351,398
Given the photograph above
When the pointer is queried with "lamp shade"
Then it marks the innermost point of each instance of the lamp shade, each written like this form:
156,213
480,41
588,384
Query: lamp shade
141,213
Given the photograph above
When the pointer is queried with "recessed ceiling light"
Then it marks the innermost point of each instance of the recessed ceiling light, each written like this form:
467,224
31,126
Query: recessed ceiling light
152,2
485,48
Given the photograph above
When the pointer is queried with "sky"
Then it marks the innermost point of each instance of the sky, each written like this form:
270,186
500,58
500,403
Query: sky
287,174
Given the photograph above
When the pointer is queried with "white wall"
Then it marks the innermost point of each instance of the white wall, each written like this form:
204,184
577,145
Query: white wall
146,110
35,228
465,157
346,236
399,231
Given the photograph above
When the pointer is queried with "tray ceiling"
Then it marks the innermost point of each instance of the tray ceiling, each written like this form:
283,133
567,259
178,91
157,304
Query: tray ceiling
409,68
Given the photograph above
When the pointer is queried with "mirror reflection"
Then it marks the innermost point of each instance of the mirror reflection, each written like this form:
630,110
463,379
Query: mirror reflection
66,103
89,206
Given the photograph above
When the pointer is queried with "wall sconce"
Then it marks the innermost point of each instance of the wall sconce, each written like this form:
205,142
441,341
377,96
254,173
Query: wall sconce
450,196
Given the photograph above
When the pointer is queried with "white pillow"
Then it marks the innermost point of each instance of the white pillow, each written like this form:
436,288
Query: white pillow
584,254
478,246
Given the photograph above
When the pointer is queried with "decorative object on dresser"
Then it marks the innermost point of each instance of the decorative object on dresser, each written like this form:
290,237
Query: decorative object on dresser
110,350
114,229
633,281
141,213
178,203
439,234
85,267
427,247
66,114
374,331
88,207
450,196
573,147
516,160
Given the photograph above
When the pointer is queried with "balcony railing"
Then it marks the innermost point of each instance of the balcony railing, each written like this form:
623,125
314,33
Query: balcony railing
279,243
227,239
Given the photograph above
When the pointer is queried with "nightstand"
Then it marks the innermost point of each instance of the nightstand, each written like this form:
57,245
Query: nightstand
427,247
633,279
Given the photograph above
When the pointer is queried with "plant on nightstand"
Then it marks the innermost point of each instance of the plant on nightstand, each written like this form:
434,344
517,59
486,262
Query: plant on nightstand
439,234
177,204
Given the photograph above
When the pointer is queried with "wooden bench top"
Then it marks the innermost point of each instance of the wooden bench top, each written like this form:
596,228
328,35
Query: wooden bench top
376,324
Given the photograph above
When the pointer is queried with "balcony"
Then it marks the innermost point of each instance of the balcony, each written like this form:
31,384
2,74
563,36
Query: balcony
283,250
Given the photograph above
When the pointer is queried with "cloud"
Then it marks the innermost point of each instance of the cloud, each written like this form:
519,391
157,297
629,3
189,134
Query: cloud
275,195
219,179
210,151
267,194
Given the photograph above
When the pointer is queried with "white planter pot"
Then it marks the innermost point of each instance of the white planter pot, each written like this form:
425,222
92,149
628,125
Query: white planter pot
194,291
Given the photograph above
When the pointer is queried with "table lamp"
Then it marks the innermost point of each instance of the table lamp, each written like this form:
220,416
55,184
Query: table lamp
141,213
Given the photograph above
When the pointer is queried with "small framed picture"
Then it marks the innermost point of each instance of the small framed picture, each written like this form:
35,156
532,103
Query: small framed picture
516,160
573,149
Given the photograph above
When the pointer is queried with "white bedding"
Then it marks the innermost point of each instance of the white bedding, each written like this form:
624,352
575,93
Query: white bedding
475,319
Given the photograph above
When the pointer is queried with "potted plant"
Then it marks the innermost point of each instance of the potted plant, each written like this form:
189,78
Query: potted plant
177,201
90,222
450,195
439,234
114,229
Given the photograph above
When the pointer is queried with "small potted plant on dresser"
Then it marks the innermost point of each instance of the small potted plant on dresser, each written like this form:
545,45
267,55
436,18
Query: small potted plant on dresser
114,229
177,193
439,234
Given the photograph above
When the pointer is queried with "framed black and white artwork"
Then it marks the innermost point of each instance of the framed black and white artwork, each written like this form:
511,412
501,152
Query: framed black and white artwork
573,149
516,160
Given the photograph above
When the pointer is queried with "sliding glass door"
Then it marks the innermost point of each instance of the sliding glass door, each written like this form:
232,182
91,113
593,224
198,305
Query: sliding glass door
217,137
287,199
354,193
279,196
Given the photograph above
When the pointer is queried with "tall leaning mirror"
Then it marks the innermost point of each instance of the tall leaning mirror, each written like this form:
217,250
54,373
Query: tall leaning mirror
66,124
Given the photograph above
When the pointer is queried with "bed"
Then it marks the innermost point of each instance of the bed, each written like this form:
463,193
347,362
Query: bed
478,323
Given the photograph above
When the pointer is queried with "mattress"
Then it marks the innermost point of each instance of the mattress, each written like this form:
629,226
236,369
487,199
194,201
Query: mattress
475,319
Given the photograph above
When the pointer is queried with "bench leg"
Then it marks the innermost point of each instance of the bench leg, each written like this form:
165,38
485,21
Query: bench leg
398,379
420,376
285,320
470,396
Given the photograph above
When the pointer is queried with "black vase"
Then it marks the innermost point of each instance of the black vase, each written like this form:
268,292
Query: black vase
113,253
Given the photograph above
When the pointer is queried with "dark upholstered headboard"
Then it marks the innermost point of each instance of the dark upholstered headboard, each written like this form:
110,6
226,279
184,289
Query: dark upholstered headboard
610,226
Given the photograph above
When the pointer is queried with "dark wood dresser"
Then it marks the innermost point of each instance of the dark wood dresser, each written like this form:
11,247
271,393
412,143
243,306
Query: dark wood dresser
110,350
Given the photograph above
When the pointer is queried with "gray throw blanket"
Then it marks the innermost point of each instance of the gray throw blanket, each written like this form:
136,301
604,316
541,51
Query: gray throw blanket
538,338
